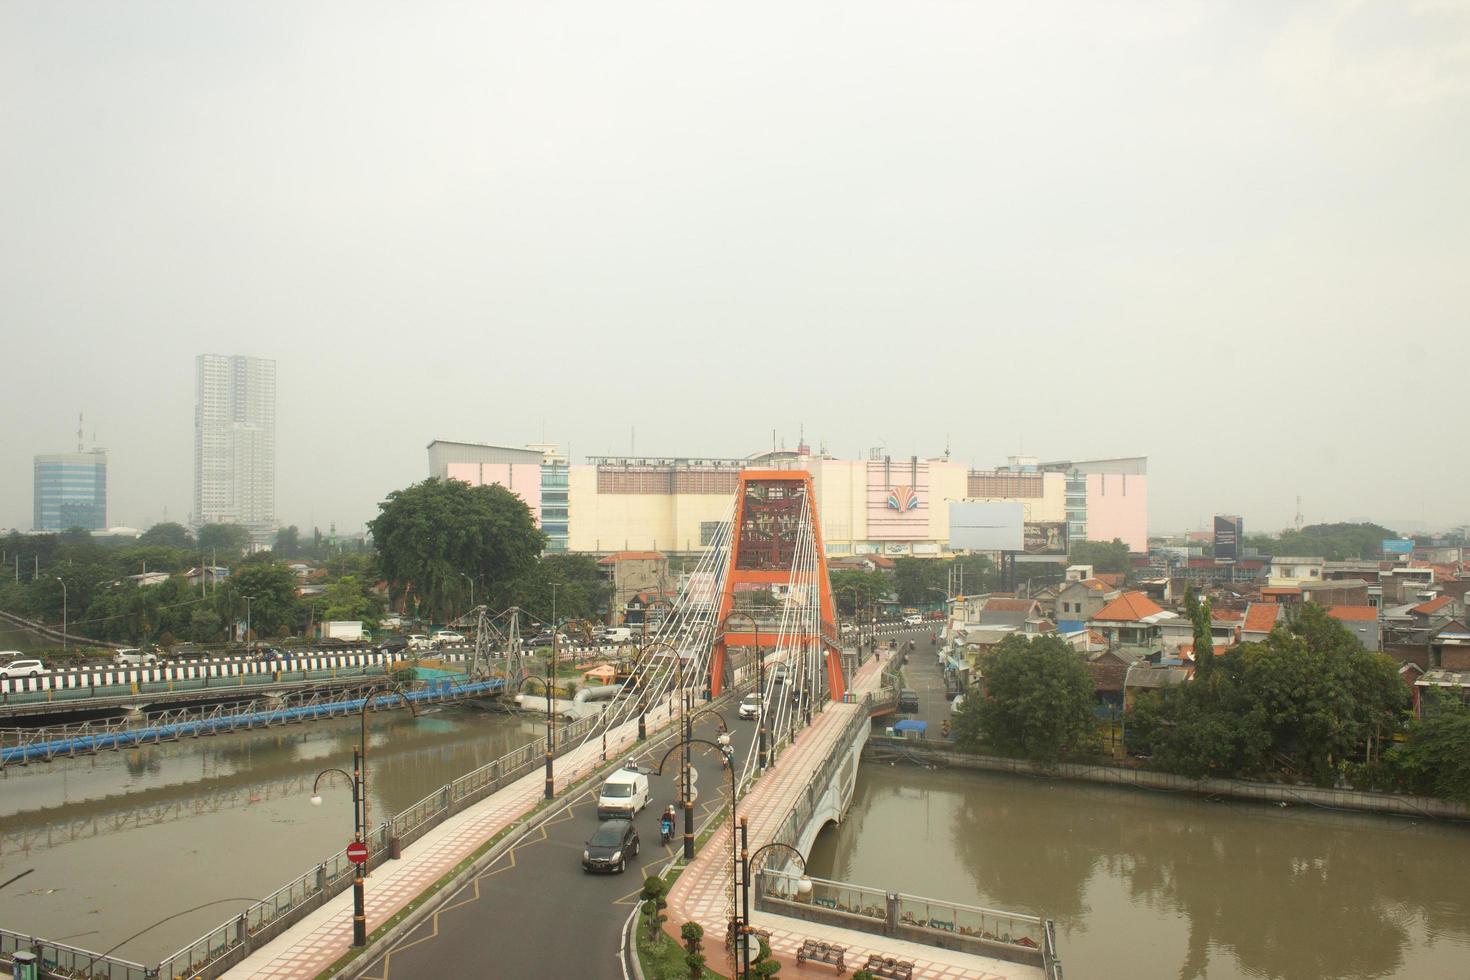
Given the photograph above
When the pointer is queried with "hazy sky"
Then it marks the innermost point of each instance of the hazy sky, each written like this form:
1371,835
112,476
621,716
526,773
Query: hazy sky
1233,237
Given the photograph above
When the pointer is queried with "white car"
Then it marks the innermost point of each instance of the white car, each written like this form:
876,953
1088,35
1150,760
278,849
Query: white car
445,638
418,641
23,668
750,708
914,619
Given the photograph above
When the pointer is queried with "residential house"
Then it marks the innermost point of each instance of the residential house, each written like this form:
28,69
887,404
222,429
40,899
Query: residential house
1438,685
1449,646
1288,572
1132,619
632,572
1260,619
143,579
1434,613
1363,622
1081,600
1339,592
208,574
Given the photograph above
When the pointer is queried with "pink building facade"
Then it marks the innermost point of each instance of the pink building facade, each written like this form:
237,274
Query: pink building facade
1117,507
523,479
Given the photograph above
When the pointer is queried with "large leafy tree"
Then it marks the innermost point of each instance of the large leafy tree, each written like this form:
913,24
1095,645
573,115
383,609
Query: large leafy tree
1435,758
1334,542
1038,701
167,535
581,590
853,589
224,539
430,536
273,606
914,578
287,543
1103,556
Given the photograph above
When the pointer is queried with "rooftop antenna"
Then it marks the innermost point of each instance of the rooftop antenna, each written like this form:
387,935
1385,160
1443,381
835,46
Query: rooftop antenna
1298,519
79,432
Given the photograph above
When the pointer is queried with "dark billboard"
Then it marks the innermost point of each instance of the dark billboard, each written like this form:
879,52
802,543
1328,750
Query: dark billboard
1046,538
1228,532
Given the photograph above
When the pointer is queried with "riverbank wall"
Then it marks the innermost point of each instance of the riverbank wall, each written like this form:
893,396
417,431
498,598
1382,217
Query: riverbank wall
930,753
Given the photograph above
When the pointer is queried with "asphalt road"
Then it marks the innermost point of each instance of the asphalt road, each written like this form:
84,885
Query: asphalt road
535,913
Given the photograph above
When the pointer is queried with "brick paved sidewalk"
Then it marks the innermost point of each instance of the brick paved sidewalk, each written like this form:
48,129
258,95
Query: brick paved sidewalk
703,892
319,940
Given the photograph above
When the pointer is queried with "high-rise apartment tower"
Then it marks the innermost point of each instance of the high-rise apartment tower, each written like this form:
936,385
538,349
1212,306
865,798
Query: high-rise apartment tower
235,442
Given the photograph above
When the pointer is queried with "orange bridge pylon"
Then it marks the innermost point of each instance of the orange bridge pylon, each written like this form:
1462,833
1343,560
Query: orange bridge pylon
774,510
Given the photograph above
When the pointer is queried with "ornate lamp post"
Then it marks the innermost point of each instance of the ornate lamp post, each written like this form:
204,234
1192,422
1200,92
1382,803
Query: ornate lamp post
747,861
358,778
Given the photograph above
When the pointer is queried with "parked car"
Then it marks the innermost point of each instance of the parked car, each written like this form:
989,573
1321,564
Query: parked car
394,644
750,708
545,640
913,619
616,634
23,668
447,638
610,846
418,641
133,657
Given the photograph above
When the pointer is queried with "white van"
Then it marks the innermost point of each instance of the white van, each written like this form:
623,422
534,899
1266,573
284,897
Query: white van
133,657
617,634
623,795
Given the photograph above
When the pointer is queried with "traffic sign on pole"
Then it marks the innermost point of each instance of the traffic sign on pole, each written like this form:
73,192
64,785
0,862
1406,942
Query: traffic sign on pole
357,852
693,775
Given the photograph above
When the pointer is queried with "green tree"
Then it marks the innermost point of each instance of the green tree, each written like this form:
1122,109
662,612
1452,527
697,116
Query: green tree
853,589
271,587
914,578
228,540
654,903
287,543
167,535
693,935
1435,758
432,534
1038,701
1204,637
1334,542
1110,557
582,591
764,964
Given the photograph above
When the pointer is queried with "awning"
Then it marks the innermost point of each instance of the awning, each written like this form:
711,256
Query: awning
956,664
909,725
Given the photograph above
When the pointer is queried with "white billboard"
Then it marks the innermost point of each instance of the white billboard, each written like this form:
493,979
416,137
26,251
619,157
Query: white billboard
982,526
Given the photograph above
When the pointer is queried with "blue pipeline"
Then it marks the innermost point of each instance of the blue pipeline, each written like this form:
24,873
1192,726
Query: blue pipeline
208,726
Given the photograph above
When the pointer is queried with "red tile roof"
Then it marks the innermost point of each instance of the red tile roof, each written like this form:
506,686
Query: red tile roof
1354,614
1226,615
1128,608
1112,579
1260,617
1433,605
1009,605
1281,590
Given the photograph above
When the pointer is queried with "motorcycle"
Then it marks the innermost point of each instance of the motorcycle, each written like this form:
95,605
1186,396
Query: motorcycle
665,830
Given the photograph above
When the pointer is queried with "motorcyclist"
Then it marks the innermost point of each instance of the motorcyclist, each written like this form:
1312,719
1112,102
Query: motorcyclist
666,824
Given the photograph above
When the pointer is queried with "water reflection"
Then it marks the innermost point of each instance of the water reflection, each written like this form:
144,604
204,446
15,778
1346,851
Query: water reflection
1164,885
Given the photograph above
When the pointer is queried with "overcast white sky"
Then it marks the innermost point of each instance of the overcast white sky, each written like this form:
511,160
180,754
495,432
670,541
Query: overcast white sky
1233,237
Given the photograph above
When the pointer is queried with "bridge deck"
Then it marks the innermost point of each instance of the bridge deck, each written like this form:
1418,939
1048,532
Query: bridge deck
703,891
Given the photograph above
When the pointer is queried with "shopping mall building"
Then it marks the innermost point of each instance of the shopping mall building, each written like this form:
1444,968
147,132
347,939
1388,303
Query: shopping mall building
884,505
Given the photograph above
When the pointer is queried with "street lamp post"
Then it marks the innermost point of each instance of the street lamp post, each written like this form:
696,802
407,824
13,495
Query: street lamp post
721,743
685,732
63,612
472,588
760,685
247,617
358,776
551,698
747,861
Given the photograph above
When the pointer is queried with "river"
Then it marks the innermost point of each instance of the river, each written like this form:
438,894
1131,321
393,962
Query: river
120,840
1157,885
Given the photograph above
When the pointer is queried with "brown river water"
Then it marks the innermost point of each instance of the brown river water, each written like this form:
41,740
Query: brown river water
1156,885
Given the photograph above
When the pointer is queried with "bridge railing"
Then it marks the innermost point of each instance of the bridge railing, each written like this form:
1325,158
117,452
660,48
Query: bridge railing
59,959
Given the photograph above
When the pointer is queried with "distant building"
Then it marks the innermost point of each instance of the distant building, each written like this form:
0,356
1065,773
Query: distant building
1106,499
235,443
70,491
521,470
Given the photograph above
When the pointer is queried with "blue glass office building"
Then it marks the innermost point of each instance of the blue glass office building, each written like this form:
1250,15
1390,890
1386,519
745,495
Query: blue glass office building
71,491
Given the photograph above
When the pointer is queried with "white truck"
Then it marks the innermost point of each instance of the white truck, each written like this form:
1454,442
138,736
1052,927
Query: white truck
341,629
623,795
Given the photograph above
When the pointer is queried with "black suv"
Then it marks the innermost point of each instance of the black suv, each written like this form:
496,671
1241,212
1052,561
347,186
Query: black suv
610,847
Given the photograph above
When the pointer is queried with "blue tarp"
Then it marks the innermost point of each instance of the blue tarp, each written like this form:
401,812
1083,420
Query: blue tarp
956,664
909,725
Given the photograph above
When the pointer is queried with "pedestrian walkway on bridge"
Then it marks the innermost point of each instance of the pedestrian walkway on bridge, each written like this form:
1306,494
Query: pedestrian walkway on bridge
703,892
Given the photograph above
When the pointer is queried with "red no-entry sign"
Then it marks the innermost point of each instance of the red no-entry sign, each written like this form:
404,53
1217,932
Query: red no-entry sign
357,852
